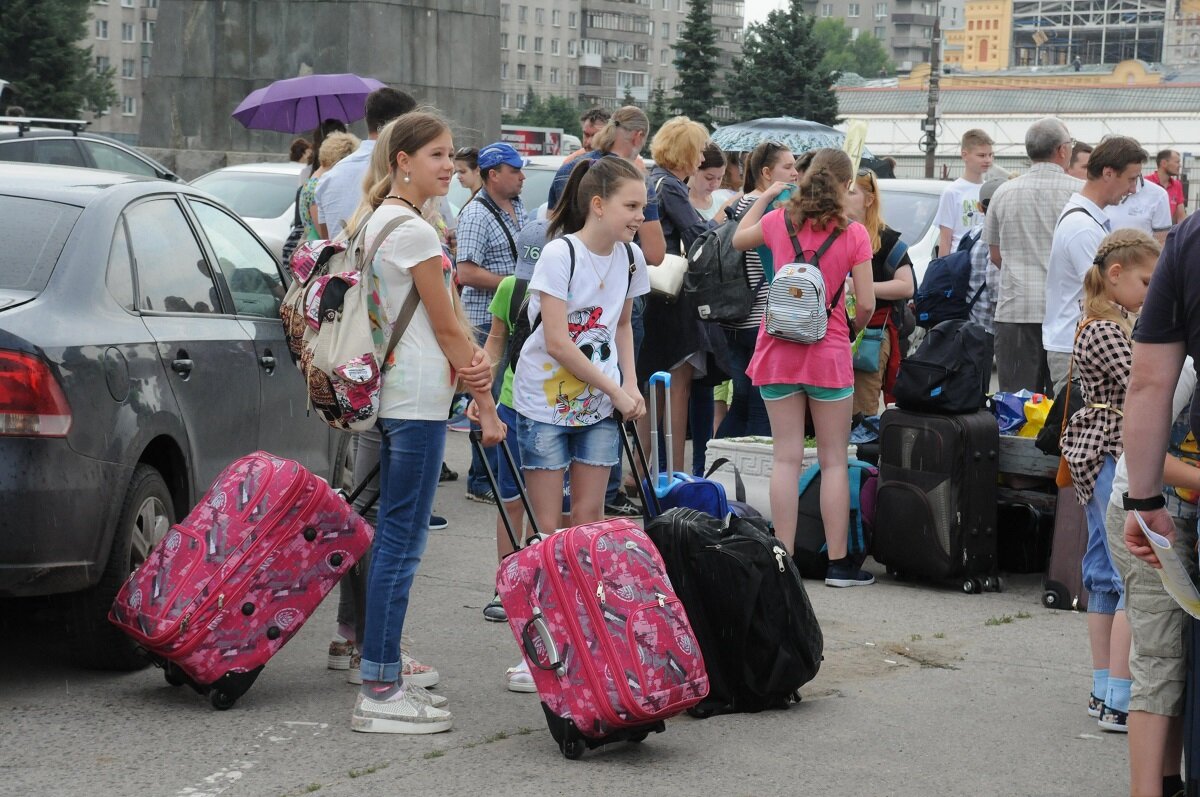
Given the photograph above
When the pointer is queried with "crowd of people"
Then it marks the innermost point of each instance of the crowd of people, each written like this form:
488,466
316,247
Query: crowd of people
1062,257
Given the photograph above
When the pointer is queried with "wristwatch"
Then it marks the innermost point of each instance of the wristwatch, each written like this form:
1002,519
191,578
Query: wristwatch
1142,504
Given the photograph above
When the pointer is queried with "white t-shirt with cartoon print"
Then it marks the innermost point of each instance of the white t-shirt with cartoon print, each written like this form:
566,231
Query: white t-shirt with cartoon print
959,210
543,389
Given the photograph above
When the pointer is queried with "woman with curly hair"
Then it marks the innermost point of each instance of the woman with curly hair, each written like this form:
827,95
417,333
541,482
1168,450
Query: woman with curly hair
797,378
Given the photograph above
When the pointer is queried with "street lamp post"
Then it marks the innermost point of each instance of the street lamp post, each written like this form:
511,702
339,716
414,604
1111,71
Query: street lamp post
929,142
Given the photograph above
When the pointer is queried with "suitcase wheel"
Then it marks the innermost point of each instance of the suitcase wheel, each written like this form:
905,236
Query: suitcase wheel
972,585
1056,599
572,749
222,701
173,676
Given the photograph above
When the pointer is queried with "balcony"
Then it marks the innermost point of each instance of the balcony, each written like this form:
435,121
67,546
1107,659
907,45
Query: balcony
590,59
639,93
924,20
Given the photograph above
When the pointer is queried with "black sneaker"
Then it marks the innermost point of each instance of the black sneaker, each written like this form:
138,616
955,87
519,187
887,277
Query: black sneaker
486,497
847,576
494,611
622,506
437,523
447,474
1113,720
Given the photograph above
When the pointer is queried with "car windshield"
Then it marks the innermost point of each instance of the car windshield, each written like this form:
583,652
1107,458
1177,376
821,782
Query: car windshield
909,212
33,231
252,195
533,193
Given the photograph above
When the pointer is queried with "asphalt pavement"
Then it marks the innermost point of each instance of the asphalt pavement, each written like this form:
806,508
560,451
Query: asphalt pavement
923,691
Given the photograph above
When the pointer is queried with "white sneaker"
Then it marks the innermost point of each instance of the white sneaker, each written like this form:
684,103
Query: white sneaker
404,714
520,679
414,672
423,695
354,674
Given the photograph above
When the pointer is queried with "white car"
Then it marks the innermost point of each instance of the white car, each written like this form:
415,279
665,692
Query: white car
539,175
909,206
263,194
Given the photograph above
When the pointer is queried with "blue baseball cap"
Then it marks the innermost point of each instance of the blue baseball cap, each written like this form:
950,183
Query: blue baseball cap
493,155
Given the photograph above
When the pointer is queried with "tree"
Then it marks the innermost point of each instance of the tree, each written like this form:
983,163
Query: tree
548,112
629,99
696,63
863,56
780,71
51,75
659,113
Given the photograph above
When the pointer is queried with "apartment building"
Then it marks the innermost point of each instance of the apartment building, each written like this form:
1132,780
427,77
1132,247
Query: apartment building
121,35
597,52
905,27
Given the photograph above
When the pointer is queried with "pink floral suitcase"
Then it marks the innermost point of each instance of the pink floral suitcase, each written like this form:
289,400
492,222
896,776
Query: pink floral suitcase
227,587
608,642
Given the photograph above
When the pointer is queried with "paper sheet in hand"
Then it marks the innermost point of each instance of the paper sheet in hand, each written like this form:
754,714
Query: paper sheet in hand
1173,574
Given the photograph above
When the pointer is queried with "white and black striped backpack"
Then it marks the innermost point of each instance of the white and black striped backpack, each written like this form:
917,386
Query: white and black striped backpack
796,306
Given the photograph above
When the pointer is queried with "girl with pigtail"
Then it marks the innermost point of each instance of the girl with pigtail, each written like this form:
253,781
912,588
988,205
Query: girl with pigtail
1113,288
797,378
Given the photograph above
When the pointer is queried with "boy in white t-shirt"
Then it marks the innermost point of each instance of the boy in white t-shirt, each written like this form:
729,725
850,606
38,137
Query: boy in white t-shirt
958,211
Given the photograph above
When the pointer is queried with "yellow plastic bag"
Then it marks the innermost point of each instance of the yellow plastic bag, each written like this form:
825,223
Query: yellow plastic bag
1037,407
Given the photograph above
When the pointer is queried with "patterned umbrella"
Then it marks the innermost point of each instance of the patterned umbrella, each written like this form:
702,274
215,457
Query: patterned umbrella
800,135
302,103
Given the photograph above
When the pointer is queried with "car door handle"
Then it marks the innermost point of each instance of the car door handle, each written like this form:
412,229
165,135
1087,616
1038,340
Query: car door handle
267,362
183,367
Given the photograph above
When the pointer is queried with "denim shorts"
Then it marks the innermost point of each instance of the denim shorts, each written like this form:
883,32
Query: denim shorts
776,392
546,446
509,491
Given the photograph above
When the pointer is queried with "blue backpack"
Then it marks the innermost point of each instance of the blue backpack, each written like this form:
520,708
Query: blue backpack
942,295
811,556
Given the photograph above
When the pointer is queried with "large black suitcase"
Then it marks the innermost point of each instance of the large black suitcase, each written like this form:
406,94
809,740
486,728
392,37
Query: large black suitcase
936,511
747,605
1191,712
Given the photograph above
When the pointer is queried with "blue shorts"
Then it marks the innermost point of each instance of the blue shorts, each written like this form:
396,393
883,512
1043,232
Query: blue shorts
507,480
546,446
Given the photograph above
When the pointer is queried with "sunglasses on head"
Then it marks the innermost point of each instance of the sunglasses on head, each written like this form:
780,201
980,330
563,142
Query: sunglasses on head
462,153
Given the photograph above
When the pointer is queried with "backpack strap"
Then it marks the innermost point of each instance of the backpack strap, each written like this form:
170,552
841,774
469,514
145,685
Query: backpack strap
570,275
495,211
410,302
388,229
1077,209
806,479
855,504
632,265
816,260
897,254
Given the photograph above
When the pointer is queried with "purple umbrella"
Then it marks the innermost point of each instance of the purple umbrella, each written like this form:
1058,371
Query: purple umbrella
302,103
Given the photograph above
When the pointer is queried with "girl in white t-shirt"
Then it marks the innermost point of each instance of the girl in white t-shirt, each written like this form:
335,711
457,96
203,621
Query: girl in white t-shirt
577,365
419,377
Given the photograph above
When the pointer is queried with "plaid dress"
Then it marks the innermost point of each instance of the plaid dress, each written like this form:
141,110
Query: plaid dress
1102,356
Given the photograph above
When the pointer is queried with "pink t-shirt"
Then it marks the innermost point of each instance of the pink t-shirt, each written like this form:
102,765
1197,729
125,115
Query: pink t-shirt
826,363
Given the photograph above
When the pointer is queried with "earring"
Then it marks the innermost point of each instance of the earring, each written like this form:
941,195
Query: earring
406,179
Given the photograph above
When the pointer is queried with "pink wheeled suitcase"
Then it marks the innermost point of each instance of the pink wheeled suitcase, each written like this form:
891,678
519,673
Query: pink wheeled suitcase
608,642
227,587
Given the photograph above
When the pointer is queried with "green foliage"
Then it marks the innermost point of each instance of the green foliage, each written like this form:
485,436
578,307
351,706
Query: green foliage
547,112
696,55
51,75
780,71
658,112
864,56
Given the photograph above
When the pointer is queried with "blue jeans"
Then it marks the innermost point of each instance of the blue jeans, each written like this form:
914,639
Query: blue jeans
410,458
1106,592
477,483
747,413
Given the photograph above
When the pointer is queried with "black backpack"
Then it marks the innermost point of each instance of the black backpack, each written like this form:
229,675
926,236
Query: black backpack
748,608
944,288
943,375
522,328
716,278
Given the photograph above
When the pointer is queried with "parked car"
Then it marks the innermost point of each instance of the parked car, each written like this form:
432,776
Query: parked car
263,194
539,175
910,206
24,143
141,351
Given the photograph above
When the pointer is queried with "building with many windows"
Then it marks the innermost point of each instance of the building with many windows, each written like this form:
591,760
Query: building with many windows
121,37
905,27
597,52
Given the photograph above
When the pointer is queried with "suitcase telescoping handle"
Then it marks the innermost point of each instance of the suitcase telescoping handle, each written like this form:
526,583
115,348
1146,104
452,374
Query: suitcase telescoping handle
477,443
636,455
350,499
663,378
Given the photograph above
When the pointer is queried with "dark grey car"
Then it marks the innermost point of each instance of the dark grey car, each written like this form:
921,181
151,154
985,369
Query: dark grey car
141,351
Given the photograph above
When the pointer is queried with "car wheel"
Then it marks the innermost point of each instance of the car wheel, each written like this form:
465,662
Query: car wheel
146,514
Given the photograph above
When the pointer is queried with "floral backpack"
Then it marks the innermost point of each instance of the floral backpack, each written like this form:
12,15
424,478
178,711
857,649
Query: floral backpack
327,315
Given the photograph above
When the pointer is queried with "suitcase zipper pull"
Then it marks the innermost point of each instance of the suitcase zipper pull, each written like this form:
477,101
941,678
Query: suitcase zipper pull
662,599
221,601
184,625
779,554
600,592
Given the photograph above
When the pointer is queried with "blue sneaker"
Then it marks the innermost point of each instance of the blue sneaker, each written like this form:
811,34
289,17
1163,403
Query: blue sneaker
847,576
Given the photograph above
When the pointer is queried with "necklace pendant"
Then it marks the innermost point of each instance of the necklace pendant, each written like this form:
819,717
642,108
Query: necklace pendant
601,284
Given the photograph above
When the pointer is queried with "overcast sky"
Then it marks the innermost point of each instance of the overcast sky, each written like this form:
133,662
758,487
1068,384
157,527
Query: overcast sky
757,10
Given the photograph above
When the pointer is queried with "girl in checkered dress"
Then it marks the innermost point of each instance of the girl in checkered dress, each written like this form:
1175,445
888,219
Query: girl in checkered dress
1114,288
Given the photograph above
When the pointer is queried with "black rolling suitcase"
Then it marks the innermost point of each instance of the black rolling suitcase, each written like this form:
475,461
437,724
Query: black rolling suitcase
1062,587
1191,713
936,510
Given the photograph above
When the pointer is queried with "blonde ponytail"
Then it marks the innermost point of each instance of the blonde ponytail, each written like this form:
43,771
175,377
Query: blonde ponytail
1127,247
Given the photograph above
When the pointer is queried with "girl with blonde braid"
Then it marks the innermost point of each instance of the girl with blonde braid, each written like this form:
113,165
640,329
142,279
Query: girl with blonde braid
1113,288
